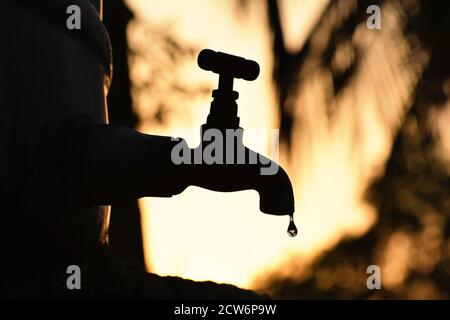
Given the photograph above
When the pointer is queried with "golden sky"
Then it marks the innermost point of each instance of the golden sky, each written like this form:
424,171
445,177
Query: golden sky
205,235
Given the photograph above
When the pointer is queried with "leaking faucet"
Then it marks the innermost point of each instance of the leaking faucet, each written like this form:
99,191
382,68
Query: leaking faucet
121,163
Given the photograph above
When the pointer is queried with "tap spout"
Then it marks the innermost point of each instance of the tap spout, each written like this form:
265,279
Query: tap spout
114,163
269,179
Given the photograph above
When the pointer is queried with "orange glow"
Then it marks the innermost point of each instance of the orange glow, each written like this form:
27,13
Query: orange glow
204,235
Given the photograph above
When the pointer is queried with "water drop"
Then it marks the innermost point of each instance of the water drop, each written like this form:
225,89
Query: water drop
292,229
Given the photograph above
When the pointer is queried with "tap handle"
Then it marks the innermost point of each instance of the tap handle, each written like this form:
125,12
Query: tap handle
228,65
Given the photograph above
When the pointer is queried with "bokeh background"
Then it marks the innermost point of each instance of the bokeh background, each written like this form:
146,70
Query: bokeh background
364,118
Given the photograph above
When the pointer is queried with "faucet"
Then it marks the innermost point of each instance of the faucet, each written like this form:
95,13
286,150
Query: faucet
237,167
121,163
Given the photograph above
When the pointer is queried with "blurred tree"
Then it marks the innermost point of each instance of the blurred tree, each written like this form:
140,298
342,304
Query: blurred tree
411,195
411,238
160,88
166,53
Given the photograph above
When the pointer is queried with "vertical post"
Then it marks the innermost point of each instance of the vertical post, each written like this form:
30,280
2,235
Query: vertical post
125,232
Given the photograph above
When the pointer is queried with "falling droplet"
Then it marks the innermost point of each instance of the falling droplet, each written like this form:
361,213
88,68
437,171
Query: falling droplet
292,229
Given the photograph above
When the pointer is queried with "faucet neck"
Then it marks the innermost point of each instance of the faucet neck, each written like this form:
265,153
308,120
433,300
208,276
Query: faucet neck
223,111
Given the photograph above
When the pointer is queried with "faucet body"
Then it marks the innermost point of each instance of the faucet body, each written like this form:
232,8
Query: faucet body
246,168
144,165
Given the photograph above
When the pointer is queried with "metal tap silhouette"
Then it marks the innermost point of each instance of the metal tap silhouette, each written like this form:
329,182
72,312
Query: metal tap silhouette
275,190
119,163
144,164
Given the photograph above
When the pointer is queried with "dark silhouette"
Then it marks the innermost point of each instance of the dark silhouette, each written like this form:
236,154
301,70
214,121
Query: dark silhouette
275,189
62,163
125,234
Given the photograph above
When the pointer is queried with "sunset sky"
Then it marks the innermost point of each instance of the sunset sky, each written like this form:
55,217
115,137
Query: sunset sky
205,235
